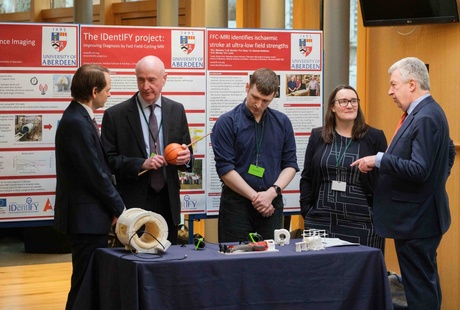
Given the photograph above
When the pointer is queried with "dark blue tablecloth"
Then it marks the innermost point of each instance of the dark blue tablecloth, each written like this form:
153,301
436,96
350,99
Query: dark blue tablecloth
347,277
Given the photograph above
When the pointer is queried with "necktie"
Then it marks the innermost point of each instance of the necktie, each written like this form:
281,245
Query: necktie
156,175
401,121
95,125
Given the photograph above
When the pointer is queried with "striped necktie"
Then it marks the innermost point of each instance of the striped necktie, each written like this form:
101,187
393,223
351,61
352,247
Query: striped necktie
157,181
95,125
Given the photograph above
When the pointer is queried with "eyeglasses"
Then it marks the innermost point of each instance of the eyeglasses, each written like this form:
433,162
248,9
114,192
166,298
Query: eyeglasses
344,102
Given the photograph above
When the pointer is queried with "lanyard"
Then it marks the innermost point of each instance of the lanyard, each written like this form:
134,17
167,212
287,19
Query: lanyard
259,142
339,157
147,122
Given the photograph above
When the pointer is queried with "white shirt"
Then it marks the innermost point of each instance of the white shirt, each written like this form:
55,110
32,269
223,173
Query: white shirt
144,114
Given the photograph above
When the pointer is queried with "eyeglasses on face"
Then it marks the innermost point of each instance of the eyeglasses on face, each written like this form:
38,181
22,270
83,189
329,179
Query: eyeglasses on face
344,102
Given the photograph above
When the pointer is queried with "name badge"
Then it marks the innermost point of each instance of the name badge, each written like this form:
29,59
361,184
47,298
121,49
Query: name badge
339,186
256,171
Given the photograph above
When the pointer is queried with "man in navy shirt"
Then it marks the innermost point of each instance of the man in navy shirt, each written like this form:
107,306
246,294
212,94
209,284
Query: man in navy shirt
255,154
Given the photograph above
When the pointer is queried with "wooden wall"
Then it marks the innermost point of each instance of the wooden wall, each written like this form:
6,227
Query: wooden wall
438,46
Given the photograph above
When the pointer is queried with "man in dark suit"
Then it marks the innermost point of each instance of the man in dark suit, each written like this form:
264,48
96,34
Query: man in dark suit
87,203
410,200
127,138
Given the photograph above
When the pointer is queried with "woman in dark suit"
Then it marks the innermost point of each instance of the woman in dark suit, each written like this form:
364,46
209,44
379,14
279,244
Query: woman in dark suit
334,196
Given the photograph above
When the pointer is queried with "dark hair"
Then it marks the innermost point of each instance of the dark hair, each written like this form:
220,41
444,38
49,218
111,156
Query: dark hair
359,127
265,80
85,80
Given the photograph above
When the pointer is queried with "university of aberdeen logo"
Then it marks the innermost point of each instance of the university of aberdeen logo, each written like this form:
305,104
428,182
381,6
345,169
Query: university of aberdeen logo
187,44
305,46
59,40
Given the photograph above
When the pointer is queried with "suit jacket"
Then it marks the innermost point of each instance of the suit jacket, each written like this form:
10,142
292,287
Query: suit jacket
124,142
410,196
86,199
374,141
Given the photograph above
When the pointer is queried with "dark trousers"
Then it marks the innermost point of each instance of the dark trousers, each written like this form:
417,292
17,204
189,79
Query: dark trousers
419,270
238,218
160,204
82,246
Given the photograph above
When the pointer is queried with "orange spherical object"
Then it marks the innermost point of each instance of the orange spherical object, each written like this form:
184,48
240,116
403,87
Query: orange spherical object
171,151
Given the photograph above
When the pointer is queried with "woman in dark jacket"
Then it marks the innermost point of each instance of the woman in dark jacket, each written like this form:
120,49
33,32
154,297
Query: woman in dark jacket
334,196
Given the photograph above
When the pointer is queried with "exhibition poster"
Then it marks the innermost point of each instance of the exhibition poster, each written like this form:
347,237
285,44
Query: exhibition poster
207,72
232,55
36,66
183,52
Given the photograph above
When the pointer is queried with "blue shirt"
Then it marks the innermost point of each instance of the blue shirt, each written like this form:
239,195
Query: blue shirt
235,137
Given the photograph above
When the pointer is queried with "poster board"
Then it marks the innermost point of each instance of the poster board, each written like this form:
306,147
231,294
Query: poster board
207,72
36,65
232,56
183,52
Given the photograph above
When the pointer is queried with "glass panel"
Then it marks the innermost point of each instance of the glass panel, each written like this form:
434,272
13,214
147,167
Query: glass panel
231,13
353,41
57,4
288,14
12,6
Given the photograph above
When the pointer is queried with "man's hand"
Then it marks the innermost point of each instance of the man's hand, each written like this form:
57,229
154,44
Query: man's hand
114,220
154,162
183,156
365,164
262,202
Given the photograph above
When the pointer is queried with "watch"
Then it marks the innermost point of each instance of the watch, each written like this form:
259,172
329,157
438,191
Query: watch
277,189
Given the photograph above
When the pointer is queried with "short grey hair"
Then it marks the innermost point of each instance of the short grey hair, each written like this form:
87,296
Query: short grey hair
412,68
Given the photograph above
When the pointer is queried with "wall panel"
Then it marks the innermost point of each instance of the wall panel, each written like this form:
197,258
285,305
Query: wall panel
436,45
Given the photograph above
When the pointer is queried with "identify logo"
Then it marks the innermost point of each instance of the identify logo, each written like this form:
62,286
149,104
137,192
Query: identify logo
28,207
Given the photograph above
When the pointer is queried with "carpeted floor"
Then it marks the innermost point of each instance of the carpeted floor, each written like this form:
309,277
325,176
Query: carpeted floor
13,253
